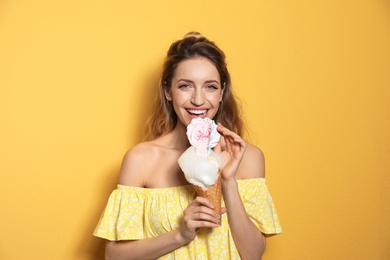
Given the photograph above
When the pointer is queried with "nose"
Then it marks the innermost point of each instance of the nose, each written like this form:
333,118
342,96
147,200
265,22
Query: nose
198,97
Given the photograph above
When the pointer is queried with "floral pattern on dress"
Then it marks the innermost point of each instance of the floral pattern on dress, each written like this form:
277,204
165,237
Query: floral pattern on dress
135,213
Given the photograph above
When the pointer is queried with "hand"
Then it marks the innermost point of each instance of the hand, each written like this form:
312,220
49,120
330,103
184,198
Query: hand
199,214
233,154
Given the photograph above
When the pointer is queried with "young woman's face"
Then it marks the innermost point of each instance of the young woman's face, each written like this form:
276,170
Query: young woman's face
195,90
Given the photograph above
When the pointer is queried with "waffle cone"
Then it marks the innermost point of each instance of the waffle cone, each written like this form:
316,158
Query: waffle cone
214,194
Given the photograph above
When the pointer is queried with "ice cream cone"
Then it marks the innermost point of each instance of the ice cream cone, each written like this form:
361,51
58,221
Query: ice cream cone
214,194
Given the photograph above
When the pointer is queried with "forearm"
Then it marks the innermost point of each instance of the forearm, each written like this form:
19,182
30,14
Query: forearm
249,240
149,248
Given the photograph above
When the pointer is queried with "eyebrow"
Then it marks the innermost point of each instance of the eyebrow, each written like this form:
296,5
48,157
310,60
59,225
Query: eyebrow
207,81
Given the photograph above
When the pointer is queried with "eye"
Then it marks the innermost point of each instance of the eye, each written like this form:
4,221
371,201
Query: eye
183,86
212,87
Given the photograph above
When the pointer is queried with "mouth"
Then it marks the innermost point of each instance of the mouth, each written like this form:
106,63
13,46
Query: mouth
197,112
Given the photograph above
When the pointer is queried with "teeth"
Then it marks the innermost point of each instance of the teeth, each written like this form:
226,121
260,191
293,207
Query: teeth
197,112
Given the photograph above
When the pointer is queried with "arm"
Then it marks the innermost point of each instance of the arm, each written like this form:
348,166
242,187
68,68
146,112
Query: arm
135,172
249,240
150,248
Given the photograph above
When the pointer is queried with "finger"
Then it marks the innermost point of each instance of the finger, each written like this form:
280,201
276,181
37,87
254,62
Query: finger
203,205
210,216
228,144
201,213
226,132
238,140
203,201
232,138
195,225
202,224
221,128
231,134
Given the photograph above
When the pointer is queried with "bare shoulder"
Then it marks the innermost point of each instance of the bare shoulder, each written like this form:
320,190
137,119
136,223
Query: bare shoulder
137,163
253,164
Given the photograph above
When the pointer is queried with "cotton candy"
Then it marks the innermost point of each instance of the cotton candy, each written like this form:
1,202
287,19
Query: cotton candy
198,169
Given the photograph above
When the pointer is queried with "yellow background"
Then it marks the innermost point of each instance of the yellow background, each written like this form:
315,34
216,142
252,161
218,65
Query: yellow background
77,80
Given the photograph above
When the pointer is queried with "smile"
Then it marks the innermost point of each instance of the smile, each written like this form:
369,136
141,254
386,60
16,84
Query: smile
197,112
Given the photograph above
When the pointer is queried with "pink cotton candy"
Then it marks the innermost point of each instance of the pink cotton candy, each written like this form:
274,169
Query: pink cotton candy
202,134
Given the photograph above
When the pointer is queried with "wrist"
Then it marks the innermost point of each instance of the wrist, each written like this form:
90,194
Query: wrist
232,182
180,239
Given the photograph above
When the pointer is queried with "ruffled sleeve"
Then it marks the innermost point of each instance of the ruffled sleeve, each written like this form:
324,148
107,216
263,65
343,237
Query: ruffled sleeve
123,216
259,205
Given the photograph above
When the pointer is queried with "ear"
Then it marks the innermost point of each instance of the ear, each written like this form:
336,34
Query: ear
167,93
222,90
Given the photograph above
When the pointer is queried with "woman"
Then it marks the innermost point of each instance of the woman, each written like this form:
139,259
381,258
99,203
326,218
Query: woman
154,212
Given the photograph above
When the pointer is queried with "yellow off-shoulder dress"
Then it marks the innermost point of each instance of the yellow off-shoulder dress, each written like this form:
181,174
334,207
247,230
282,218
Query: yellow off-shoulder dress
136,213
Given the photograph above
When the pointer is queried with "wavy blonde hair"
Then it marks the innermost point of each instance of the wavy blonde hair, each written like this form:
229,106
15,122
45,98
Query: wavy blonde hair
163,118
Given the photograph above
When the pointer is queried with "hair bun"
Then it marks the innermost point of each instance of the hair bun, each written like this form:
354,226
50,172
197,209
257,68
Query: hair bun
193,34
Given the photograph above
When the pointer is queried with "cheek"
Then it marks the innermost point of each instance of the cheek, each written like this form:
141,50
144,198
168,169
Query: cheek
179,97
214,98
